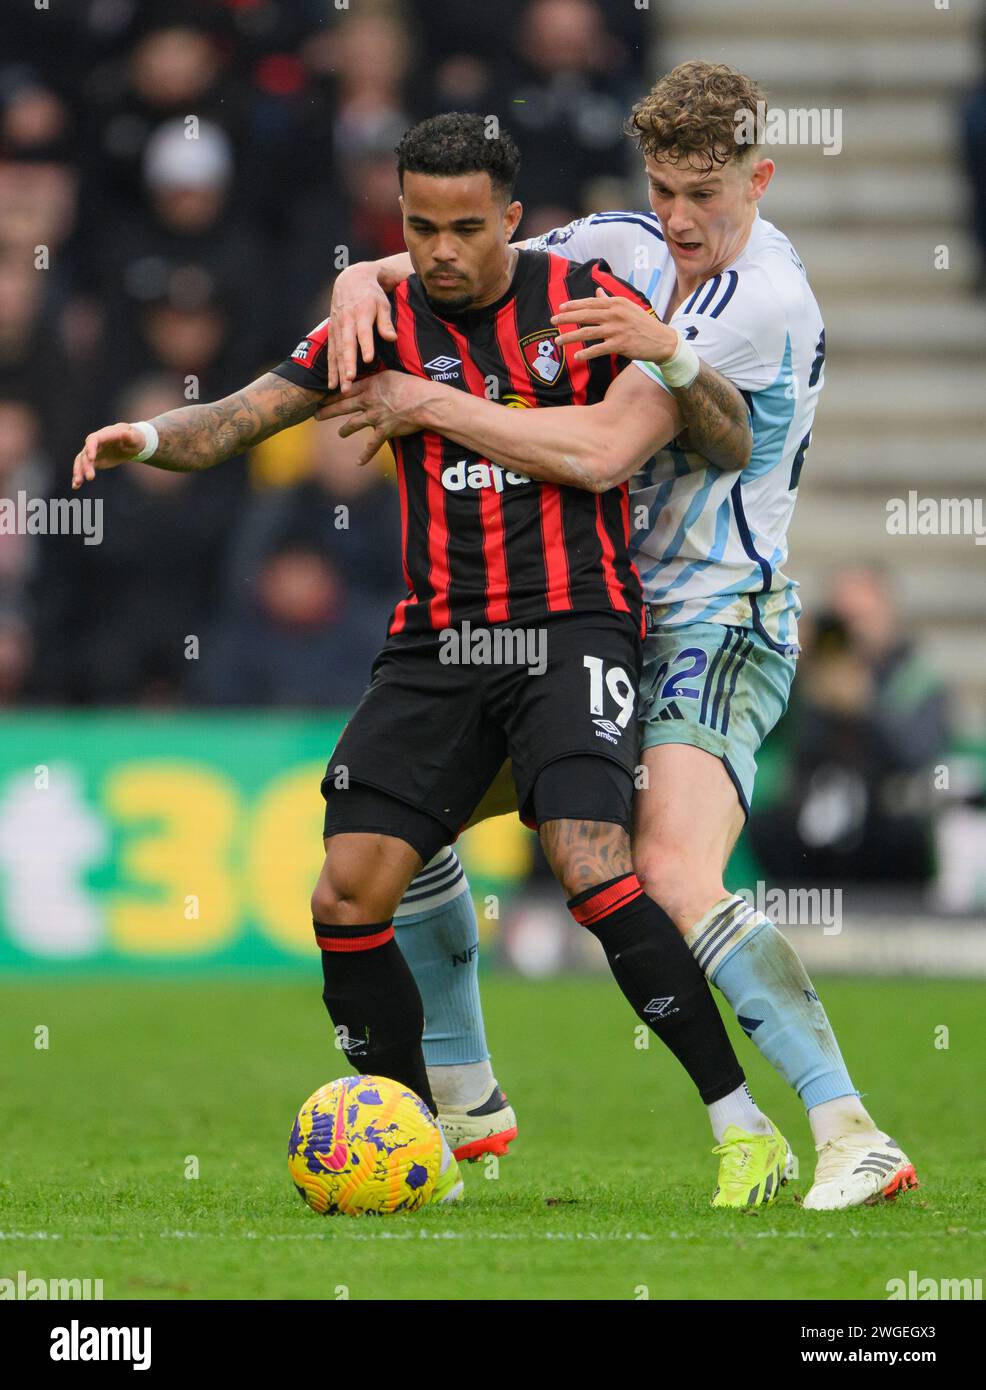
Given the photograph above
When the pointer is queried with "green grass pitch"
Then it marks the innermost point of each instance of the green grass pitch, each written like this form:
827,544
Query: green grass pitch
605,1194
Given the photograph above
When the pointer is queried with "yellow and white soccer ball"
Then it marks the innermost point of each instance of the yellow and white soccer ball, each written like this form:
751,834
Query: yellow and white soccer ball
364,1144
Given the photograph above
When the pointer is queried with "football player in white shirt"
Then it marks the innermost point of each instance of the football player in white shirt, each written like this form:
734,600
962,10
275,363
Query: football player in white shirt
729,291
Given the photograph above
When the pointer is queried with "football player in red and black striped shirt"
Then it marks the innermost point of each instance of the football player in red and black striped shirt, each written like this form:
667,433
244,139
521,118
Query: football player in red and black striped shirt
519,634
488,553
482,543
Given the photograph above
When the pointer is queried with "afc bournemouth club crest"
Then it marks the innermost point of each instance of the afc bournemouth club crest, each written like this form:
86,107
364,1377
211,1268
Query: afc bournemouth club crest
543,356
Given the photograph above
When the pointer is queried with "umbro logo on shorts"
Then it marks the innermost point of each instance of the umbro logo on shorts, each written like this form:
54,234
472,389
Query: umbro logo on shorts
608,727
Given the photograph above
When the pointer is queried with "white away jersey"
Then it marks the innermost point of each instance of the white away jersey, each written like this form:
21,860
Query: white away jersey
710,546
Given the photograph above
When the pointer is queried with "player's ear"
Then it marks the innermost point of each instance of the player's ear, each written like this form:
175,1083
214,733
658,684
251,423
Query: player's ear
511,217
760,176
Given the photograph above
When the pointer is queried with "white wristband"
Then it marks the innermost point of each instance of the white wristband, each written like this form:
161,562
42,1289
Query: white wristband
683,367
150,440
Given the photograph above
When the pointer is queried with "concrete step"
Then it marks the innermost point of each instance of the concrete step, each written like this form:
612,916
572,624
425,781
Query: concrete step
869,398
830,194
883,61
860,323
893,460
876,129
875,260
853,527
876,18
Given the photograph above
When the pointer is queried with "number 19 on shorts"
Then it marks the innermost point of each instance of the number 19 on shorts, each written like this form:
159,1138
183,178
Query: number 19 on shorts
617,684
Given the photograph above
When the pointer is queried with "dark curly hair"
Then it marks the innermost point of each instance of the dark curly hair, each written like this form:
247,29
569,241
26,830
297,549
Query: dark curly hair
460,142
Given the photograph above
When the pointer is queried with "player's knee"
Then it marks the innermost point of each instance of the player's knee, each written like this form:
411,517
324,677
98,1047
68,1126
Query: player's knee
661,874
326,903
339,897
352,889
675,882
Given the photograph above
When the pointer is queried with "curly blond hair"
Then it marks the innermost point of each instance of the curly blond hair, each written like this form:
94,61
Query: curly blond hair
693,115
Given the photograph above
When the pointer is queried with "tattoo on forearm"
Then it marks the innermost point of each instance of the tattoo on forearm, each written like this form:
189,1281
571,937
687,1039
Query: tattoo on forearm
716,417
198,436
584,853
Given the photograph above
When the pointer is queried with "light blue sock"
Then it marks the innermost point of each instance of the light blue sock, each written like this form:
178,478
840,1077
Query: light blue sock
760,973
437,932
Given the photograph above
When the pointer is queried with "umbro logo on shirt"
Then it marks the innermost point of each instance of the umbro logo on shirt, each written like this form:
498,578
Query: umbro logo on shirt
441,367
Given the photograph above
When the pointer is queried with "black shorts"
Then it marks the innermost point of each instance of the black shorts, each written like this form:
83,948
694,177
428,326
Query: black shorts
443,711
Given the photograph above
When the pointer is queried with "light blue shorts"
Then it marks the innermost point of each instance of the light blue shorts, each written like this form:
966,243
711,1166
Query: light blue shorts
714,687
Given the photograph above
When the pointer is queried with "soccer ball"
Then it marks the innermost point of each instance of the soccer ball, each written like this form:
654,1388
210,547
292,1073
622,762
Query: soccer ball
364,1144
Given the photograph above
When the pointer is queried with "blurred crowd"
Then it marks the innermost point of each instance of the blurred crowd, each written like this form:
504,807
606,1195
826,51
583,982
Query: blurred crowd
179,183
868,720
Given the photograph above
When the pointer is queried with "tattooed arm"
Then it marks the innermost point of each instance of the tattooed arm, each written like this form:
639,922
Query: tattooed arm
199,436
717,420
594,447
712,410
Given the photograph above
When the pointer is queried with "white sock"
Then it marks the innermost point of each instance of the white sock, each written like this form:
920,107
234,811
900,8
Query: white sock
461,1086
740,1109
834,1118
446,1153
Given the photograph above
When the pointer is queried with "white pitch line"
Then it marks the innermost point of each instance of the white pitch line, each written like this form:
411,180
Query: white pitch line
341,1233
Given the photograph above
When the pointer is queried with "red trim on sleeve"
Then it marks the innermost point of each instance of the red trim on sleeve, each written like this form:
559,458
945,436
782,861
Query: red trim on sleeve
309,348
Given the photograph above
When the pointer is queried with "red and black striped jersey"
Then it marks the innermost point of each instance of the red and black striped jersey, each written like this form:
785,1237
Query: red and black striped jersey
481,543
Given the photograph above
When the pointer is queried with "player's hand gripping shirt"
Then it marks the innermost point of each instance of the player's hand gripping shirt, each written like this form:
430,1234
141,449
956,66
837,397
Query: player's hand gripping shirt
711,546
481,543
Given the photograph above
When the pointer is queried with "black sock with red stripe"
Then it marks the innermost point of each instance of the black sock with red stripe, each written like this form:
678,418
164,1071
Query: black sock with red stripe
659,976
374,1003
